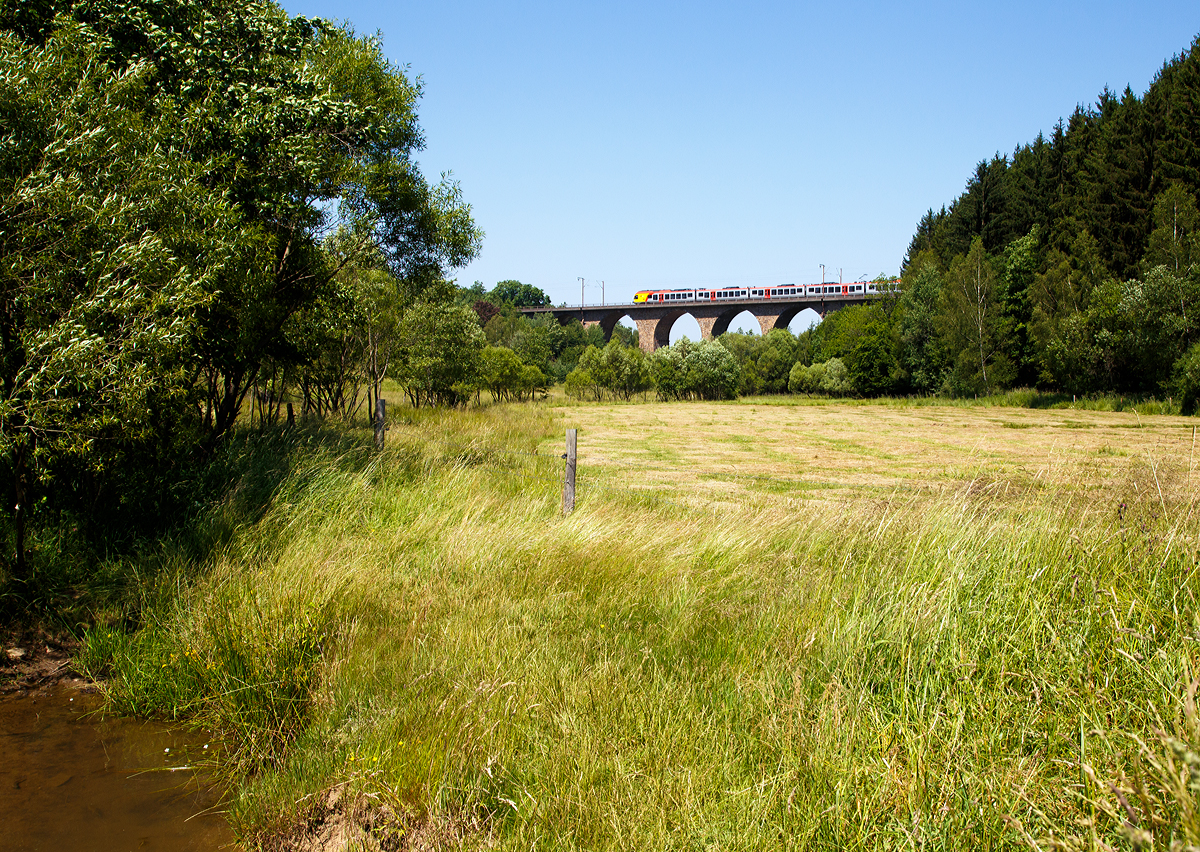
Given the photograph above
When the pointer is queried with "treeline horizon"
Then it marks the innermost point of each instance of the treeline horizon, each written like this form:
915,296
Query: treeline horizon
1071,265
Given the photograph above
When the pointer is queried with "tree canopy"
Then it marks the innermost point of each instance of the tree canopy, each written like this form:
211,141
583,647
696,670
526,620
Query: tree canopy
170,174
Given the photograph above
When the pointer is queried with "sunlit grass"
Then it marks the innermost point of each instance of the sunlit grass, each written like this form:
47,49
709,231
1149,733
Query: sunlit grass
671,668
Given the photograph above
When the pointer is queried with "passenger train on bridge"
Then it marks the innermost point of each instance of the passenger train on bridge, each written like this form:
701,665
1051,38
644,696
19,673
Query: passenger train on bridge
853,289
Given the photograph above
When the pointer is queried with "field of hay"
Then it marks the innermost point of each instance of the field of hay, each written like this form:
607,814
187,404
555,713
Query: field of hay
770,624
843,453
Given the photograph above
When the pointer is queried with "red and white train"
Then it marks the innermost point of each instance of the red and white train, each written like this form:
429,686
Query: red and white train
787,291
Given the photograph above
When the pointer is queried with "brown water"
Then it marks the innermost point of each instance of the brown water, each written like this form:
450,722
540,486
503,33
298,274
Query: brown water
70,780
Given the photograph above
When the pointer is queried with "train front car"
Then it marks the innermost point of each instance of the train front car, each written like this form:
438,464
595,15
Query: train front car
660,296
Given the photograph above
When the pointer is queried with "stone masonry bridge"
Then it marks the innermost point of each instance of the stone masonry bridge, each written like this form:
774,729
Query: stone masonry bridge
654,320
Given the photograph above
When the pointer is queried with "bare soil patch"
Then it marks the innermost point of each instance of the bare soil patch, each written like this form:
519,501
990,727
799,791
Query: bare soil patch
33,658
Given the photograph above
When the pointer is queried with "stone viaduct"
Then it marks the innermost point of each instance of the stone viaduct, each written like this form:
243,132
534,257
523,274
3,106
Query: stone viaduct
654,320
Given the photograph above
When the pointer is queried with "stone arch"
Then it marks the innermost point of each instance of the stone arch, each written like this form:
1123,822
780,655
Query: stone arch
785,317
719,324
661,336
754,312
609,321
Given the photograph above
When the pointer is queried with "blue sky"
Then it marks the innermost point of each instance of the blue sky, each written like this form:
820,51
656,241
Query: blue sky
675,144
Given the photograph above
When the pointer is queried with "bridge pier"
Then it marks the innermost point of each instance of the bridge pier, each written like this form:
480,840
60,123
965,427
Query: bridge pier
768,322
648,334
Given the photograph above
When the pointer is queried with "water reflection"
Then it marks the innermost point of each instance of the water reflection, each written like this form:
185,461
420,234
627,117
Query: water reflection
70,780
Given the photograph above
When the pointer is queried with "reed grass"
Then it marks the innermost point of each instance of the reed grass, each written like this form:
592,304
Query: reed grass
424,632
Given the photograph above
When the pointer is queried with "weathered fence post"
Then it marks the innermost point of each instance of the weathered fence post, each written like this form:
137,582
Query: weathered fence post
380,422
569,479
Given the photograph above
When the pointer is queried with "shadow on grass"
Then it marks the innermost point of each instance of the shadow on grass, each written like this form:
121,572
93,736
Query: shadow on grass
85,569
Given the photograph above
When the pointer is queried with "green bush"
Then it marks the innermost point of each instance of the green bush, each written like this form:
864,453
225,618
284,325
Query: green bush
580,384
686,370
836,380
805,379
1186,379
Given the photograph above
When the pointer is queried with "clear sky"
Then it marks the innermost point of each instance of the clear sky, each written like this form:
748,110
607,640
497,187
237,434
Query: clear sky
675,144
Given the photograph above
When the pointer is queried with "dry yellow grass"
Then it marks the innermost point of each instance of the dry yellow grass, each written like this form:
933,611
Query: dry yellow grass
830,452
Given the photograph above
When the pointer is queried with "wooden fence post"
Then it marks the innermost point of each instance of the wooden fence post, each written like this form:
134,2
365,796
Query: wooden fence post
291,416
569,479
380,422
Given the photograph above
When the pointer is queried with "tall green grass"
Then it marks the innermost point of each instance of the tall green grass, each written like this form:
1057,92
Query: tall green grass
422,631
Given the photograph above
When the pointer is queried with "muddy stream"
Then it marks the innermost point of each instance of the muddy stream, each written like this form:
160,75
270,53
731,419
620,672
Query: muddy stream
71,779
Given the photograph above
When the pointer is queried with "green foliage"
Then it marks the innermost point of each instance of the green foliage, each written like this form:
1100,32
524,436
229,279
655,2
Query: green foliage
500,371
167,171
439,347
534,343
620,370
804,378
763,361
835,378
1073,228
920,362
686,370
580,384
973,326
1186,380
871,363
533,381
1104,171
518,295
110,247
1174,243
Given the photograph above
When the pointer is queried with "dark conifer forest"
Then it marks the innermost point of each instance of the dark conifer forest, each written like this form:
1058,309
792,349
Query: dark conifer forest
1069,264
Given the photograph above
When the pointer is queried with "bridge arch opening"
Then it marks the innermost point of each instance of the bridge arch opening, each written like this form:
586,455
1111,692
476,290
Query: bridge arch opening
743,323
803,321
684,326
625,330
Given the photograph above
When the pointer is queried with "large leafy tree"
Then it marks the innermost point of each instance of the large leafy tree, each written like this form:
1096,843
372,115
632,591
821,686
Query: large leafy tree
110,248
438,353
302,123
972,323
168,171
518,295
